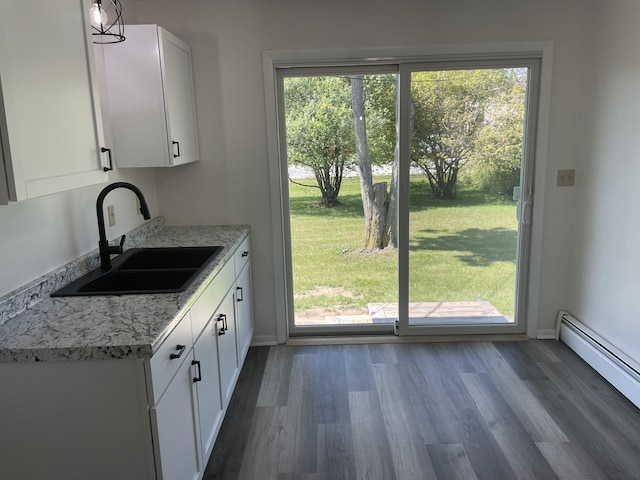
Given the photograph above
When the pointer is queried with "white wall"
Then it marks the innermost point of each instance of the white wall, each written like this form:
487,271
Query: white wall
605,265
41,234
231,185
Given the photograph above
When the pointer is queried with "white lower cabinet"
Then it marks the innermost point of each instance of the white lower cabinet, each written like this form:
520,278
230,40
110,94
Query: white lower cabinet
208,388
132,419
175,428
227,352
244,312
188,414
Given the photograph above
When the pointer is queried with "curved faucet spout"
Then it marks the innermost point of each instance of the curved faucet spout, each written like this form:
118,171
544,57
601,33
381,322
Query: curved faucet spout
105,249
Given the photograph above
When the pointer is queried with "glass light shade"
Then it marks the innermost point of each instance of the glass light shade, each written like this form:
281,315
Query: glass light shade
98,16
107,25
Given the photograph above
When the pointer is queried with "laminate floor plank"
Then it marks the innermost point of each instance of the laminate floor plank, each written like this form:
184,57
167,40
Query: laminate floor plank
590,381
580,430
326,375
424,397
274,383
382,353
450,415
369,435
231,442
300,432
525,459
450,462
409,456
301,476
454,357
335,451
571,462
539,351
522,364
265,441
359,368
625,442
420,411
521,401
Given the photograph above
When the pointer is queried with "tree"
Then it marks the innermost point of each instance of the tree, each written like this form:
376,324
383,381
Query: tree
450,107
319,130
495,163
378,205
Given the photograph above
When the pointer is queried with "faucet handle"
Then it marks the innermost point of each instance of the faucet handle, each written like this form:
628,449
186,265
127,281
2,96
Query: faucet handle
122,239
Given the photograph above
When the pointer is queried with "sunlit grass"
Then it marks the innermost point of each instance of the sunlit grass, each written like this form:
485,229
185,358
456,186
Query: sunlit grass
460,250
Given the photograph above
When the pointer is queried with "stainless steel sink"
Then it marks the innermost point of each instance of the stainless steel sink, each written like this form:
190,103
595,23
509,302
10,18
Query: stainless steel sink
144,270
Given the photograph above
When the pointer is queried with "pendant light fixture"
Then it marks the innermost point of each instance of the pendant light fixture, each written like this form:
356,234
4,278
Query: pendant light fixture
107,25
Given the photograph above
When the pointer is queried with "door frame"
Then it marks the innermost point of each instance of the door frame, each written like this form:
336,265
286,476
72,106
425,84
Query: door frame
274,60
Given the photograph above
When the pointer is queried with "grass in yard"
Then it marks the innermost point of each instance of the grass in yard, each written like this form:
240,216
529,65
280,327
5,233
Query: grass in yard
460,250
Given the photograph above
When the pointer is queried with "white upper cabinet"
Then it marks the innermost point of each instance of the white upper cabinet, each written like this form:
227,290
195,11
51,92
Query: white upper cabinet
151,99
50,127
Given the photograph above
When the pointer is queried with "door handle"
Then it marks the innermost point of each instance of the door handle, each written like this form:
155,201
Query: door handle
527,213
240,297
177,144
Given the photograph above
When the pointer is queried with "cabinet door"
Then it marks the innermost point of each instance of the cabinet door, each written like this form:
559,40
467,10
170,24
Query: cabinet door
149,83
244,312
227,353
50,113
179,99
133,83
208,387
176,433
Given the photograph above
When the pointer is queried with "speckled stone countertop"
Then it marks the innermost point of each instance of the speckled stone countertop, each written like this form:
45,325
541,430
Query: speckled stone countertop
106,327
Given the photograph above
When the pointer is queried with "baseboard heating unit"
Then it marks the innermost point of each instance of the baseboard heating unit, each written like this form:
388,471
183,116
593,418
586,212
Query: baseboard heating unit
616,367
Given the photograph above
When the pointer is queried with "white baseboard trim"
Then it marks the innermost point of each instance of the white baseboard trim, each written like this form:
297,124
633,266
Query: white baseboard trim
264,341
602,358
546,334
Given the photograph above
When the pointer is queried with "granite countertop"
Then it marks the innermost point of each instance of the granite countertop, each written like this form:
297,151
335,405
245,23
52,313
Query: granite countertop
107,327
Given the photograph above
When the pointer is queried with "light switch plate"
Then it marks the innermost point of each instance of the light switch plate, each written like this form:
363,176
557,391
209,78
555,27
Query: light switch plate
566,178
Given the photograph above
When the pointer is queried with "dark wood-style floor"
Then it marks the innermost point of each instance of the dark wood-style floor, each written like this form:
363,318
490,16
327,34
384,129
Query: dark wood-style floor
447,411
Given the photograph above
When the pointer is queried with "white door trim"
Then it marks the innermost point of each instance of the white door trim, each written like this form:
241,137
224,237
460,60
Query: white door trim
277,59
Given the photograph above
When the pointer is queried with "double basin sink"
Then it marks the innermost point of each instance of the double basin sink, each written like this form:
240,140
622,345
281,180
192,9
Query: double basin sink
144,270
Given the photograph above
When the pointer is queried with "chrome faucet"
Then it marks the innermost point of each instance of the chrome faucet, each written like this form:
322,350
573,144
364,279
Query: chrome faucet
107,250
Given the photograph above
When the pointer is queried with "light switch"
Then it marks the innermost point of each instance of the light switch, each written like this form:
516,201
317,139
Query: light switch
566,178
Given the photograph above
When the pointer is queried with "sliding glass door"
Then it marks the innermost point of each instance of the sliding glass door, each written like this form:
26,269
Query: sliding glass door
408,193
467,165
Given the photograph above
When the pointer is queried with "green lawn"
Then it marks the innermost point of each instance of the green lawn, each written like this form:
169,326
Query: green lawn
460,250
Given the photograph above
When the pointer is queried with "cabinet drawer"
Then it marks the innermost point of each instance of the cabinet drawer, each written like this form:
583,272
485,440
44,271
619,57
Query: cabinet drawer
166,361
208,302
242,255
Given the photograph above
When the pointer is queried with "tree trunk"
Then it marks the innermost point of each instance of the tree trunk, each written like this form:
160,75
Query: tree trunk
391,220
380,209
377,238
364,159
